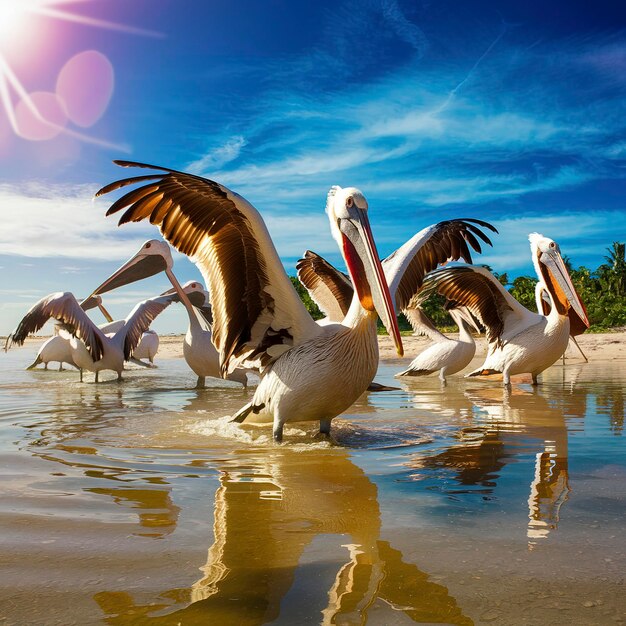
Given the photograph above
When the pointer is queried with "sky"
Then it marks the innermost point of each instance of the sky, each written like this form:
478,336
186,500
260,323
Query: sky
505,111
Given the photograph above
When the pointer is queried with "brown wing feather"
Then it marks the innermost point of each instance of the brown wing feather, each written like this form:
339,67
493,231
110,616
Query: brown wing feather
449,240
63,307
331,289
139,320
208,222
472,289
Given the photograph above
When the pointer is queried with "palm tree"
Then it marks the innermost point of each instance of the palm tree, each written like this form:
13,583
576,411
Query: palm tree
613,272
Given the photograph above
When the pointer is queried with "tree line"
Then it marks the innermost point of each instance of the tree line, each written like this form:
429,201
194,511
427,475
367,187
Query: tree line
603,291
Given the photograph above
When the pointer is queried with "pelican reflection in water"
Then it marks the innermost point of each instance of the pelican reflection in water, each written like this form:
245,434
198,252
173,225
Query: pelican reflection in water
505,425
267,516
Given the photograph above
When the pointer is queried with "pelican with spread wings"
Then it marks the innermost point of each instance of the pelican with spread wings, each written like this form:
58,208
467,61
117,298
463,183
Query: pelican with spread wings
519,340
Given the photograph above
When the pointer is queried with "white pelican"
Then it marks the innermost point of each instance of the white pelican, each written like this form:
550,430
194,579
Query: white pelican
310,371
445,355
92,348
518,340
148,346
57,349
199,352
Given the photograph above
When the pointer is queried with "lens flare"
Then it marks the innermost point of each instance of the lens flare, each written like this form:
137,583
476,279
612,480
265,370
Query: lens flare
44,116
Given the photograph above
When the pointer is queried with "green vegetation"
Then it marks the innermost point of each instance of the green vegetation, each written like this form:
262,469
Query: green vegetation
603,292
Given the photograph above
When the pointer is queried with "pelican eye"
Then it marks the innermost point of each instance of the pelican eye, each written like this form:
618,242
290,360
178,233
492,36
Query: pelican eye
552,244
349,202
148,245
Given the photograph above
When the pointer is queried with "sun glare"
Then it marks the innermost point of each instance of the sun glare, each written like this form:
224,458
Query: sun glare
13,14
43,115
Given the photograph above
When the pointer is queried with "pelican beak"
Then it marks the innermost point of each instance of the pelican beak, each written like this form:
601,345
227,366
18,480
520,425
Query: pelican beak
556,267
140,266
367,273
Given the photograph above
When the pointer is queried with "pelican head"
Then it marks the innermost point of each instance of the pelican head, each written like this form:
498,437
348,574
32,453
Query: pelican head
197,294
551,269
153,257
461,314
347,212
91,303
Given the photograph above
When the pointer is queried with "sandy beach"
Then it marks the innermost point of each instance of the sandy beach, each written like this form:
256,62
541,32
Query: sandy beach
597,346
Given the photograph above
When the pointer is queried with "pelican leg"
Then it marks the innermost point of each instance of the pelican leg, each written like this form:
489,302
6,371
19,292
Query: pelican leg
60,366
506,378
325,427
201,382
535,381
97,376
442,376
278,429
45,366
81,374
119,377
579,349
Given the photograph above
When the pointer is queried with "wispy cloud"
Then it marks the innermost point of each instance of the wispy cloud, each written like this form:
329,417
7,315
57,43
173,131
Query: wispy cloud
62,221
219,156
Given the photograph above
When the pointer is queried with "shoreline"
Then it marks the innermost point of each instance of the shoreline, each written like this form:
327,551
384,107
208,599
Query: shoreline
596,346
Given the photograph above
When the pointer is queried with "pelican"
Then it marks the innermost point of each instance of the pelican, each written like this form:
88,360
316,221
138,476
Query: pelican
445,355
57,348
519,340
311,372
92,348
199,352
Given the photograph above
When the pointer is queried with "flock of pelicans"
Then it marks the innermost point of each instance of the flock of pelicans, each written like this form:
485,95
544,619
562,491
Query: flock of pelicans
255,320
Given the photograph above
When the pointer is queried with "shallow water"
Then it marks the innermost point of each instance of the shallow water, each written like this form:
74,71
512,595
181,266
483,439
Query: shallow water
137,503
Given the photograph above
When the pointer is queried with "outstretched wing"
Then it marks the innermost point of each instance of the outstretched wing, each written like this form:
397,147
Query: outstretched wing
484,297
329,288
138,321
257,314
445,241
63,307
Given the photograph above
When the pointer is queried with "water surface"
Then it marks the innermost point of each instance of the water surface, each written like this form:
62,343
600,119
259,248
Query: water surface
138,503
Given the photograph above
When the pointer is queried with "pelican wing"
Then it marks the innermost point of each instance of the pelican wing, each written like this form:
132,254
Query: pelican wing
421,324
484,297
257,314
329,288
63,307
138,322
445,241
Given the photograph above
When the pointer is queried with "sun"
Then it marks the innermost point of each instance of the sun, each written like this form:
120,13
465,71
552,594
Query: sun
15,17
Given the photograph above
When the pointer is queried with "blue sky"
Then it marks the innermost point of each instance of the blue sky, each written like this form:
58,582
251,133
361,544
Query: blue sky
506,111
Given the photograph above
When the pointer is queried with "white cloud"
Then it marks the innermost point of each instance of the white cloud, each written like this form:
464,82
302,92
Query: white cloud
63,221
